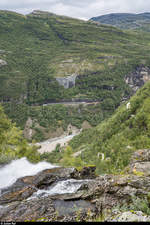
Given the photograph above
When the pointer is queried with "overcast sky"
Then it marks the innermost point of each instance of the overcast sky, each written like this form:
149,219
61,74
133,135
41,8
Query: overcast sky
83,9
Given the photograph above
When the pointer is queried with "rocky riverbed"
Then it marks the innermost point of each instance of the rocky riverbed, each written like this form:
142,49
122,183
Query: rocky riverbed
50,145
67,194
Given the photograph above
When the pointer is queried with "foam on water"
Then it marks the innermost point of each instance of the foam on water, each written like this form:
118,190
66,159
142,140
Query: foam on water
62,187
20,168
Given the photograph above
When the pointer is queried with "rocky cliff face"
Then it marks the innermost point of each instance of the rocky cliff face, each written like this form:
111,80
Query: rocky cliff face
31,198
138,78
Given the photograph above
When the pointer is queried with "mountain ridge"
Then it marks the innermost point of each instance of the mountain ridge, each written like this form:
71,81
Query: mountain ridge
125,20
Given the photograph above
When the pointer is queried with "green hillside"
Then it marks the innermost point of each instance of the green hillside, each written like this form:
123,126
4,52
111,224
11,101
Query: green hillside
40,47
12,144
110,145
126,20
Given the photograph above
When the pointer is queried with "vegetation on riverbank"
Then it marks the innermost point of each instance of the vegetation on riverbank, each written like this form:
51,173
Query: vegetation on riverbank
47,119
108,146
12,143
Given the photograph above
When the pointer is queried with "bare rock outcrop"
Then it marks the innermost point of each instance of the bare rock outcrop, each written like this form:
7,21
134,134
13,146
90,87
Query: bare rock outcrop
92,195
138,78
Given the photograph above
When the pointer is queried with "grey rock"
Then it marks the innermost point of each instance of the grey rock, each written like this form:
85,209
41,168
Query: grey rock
142,155
138,78
98,194
46,209
136,216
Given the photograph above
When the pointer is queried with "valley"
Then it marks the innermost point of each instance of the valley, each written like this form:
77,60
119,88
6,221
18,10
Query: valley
51,144
74,117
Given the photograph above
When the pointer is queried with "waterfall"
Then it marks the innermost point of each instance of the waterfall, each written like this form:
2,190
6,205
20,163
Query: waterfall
20,168
69,186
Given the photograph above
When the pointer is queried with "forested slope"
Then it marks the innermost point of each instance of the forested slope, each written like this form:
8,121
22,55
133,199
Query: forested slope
113,141
40,47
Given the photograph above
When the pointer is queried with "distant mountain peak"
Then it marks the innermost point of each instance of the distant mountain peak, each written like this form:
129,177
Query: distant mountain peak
125,20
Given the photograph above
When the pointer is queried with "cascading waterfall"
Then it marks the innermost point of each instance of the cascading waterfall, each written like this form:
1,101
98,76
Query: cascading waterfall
20,168
62,187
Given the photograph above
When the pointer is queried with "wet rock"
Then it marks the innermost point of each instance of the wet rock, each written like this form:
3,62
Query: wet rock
29,210
74,208
18,195
26,186
95,195
45,209
68,196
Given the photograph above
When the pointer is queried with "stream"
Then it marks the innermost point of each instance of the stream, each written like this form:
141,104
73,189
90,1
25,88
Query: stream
19,168
33,191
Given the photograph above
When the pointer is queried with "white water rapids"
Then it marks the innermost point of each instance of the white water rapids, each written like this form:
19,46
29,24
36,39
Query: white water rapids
22,167
62,187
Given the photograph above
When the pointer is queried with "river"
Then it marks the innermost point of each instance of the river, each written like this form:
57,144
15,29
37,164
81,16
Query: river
16,169
50,144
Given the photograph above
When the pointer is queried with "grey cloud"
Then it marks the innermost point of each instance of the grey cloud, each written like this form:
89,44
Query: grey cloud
83,9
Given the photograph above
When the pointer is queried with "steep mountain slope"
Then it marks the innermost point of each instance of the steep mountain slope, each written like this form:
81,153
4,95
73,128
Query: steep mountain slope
41,46
49,58
126,20
12,144
112,142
